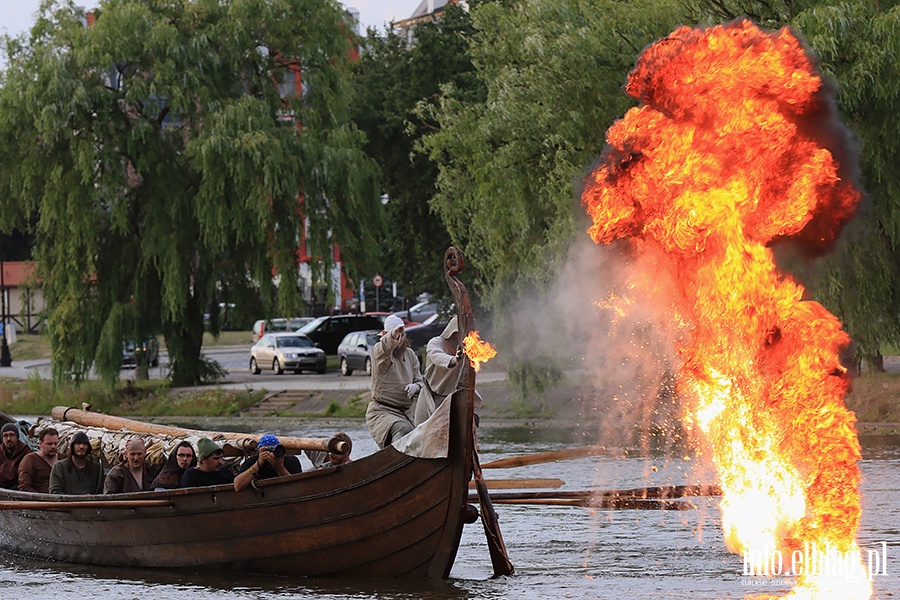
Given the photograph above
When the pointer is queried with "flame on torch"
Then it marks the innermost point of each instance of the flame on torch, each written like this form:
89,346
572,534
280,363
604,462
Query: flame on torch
478,350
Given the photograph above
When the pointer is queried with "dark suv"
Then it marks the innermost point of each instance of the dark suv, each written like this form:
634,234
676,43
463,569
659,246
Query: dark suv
327,332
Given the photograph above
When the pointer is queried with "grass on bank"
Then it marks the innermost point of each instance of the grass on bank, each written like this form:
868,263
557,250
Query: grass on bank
875,398
142,398
30,346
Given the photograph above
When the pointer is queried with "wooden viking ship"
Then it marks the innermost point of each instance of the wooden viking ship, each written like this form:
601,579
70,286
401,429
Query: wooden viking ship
384,515
391,514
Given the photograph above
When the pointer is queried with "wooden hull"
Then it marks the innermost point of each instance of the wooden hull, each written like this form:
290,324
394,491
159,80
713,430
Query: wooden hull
385,515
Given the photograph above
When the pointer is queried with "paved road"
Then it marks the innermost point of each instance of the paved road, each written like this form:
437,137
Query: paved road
234,359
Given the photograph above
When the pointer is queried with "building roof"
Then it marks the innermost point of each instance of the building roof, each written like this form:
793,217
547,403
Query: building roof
18,274
426,11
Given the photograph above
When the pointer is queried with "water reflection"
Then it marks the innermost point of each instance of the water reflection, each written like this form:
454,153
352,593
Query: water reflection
558,552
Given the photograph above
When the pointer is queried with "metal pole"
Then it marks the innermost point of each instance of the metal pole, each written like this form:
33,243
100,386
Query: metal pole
5,358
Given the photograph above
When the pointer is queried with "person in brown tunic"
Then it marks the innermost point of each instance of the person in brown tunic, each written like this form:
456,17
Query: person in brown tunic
34,470
132,474
12,451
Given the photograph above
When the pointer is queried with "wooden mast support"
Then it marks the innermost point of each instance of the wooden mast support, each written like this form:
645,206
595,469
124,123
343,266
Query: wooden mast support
453,265
291,444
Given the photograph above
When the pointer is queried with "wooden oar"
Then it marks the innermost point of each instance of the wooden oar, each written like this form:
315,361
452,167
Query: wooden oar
544,457
649,493
520,484
37,505
599,502
653,498
292,445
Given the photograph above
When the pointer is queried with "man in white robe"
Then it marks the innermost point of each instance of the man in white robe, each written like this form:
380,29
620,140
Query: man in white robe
396,381
443,368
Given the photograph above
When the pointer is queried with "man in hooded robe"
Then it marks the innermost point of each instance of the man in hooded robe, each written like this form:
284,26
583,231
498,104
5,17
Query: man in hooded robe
396,381
79,473
443,368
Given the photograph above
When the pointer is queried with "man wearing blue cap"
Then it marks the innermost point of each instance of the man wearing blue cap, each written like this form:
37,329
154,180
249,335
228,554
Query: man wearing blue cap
270,461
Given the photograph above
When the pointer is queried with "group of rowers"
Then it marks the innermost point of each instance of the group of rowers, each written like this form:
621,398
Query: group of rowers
81,473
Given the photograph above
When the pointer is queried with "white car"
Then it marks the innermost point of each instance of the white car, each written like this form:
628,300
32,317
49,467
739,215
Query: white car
286,352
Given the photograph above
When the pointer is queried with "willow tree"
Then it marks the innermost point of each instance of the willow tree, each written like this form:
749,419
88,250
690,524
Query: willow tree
163,153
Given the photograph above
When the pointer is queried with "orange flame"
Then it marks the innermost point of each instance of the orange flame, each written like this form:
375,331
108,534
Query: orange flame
732,149
477,350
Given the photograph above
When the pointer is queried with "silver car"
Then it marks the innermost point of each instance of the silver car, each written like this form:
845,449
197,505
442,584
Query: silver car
286,352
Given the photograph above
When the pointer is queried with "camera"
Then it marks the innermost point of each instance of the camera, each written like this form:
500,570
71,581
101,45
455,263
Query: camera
278,451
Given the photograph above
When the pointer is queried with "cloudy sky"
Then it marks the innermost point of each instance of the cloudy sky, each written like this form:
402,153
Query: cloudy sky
18,15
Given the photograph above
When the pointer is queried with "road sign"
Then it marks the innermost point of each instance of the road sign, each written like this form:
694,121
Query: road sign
377,280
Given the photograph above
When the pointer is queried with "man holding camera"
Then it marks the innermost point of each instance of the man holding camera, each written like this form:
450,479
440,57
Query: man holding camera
270,461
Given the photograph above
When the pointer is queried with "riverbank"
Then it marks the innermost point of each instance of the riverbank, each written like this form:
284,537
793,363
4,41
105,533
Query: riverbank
874,398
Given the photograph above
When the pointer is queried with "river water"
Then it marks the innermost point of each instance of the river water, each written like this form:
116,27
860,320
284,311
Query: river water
558,552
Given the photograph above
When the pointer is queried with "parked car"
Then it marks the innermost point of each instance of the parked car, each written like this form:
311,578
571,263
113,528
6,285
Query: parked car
418,312
419,335
355,351
273,325
150,348
286,352
327,332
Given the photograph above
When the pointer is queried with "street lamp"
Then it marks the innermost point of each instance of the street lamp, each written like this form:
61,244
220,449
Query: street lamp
5,358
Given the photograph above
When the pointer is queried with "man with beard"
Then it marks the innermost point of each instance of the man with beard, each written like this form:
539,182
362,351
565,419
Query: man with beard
133,474
80,473
34,470
12,451
396,381
210,469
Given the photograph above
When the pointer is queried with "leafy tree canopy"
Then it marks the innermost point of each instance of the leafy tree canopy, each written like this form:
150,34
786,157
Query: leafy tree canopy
160,152
391,78
509,165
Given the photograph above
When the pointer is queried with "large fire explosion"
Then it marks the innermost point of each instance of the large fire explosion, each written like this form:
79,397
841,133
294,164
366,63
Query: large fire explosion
731,150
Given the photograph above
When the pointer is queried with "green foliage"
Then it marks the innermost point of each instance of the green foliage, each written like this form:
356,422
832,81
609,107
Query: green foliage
509,164
39,397
157,164
391,77
355,408
766,13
